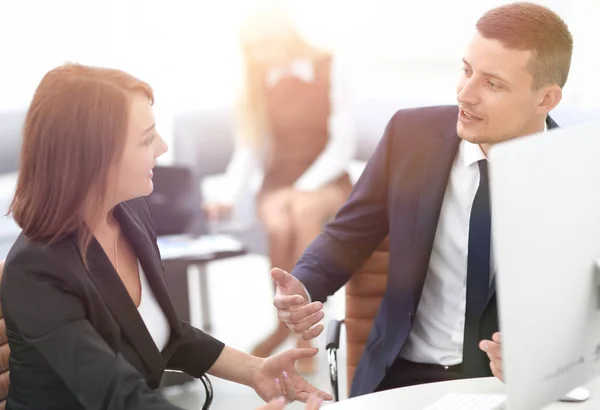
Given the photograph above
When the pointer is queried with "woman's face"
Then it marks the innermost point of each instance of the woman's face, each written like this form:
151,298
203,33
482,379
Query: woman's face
143,145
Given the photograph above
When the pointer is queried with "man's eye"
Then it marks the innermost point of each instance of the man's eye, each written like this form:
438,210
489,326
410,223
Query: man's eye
493,85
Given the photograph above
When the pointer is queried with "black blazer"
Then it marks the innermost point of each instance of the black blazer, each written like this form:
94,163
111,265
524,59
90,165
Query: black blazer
400,193
76,338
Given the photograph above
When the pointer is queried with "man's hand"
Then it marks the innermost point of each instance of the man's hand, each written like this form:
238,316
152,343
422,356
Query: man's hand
493,349
293,308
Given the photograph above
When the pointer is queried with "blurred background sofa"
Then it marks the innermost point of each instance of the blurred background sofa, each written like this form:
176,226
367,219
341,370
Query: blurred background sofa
203,141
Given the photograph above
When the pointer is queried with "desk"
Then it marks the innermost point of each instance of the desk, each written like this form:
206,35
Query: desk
421,396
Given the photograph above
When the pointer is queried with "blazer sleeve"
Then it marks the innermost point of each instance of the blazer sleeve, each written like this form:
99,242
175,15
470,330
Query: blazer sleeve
52,319
196,352
358,228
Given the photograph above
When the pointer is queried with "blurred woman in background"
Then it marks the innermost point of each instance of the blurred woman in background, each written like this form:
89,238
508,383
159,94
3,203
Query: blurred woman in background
294,121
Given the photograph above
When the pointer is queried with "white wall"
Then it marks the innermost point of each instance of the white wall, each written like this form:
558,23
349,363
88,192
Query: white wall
186,48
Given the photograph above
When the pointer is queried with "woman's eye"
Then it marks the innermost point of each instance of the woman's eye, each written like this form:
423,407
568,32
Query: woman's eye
150,138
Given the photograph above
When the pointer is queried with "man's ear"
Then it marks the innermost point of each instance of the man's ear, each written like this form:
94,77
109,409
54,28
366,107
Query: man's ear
550,97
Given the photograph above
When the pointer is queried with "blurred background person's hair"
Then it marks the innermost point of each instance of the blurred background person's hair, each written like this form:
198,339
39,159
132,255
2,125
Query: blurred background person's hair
268,38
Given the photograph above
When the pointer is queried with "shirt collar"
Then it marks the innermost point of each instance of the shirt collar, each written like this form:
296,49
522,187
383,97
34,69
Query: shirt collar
471,153
301,69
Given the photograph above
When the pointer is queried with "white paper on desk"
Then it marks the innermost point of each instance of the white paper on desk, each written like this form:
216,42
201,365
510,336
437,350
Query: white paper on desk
183,246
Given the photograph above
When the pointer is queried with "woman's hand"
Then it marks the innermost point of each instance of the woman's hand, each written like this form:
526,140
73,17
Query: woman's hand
314,403
276,376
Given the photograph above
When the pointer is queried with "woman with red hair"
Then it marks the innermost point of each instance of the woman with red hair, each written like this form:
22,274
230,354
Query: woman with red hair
88,317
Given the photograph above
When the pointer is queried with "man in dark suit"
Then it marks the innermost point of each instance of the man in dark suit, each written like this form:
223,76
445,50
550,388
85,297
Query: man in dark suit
426,187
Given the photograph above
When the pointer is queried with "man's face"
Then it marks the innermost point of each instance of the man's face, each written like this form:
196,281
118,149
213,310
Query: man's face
495,94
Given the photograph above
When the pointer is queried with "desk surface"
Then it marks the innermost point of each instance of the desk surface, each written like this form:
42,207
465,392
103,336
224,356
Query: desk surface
191,250
183,263
421,396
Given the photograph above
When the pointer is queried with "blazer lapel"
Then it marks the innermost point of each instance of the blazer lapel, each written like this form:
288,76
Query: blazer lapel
550,123
441,153
145,248
117,299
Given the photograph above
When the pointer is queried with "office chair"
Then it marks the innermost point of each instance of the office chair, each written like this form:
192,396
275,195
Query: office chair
364,292
176,202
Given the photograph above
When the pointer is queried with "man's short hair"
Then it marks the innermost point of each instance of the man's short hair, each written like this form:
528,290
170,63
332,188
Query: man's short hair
529,26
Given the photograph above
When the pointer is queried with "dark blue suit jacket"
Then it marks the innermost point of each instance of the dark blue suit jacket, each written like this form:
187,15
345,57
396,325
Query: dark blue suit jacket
400,193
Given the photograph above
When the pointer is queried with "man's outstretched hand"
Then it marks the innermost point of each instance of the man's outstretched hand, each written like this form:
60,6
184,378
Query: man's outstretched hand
293,307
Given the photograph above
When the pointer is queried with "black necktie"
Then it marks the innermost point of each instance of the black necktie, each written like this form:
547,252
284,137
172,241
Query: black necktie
478,277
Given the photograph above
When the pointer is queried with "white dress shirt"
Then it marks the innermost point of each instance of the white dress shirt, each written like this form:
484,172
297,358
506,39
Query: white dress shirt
152,314
437,333
330,164
439,322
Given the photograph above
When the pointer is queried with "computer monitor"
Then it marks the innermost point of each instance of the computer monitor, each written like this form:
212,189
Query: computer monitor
545,199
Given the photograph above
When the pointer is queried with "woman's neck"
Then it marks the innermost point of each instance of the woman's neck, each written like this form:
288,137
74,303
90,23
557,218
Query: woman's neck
105,226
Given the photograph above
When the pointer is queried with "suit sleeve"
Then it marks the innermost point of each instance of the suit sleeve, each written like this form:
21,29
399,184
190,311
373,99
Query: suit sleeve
52,319
358,228
196,353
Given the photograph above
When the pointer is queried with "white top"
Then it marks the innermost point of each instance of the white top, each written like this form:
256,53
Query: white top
153,316
330,164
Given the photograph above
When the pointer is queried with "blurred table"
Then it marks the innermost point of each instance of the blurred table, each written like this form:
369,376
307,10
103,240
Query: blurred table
185,259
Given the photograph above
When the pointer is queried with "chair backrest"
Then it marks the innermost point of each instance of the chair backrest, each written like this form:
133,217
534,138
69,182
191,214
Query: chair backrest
364,292
176,202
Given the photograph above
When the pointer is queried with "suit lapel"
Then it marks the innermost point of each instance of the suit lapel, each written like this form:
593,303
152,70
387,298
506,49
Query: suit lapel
116,297
144,246
441,153
550,123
